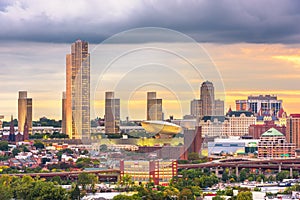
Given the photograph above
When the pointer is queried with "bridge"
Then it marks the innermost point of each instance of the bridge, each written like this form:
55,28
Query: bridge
260,164
108,175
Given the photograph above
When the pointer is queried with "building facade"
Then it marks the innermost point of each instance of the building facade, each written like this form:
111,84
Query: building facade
142,171
207,96
24,112
239,122
273,144
112,114
77,107
196,107
293,129
193,140
260,105
154,107
63,121
256,130
232,146
215,126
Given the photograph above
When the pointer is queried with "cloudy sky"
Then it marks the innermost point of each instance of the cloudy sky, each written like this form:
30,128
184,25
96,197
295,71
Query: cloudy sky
253,46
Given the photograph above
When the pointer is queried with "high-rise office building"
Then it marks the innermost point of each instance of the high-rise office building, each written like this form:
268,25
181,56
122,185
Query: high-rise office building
207,105
77,109
293,129
63,124
260,105
196,107
219,107
207,96
154,107
112,114
24,112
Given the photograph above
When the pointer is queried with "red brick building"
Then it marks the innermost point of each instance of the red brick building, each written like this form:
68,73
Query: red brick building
142,171
256,130
293,129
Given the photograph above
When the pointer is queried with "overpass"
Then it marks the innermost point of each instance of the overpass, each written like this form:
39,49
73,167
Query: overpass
260,164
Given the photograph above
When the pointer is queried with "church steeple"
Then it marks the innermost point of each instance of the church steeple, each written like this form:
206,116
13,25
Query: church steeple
25,133
11,137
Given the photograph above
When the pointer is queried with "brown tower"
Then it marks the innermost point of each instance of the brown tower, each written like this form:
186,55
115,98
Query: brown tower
24,112
112,113
154,107
11,137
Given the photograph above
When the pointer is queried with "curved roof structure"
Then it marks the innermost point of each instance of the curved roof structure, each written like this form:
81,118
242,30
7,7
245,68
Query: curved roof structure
161,127
272,132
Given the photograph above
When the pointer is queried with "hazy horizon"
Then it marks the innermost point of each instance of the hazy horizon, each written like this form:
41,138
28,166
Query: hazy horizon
254,48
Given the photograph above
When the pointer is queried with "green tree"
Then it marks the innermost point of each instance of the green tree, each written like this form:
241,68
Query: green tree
15,151
57,179
84,180
23,148
225,176
68,151
170,193
38,144
6,192
186,194
295,174
193,156
218,198
3,146
271,178
282,175
244,195
196,190
126,182
123,197
229,192
243,175
84,162
47,191
75,193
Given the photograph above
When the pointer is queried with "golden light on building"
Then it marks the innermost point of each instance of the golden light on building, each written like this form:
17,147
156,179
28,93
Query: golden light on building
24,112
161,128
77,101
112,113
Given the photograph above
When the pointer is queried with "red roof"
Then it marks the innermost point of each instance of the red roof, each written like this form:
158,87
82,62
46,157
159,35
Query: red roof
295,115
280,112
229,111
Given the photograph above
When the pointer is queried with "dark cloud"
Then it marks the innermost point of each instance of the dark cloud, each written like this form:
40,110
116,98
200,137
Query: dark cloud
217,21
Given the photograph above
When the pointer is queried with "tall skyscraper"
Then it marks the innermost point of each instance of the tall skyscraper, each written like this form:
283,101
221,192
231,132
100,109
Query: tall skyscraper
207,96
293,129
24,112
207,105
77,108
112,114
154,107
64,104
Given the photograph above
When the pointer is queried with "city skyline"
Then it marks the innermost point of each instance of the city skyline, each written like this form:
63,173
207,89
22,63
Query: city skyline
255,51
